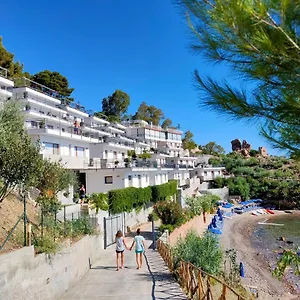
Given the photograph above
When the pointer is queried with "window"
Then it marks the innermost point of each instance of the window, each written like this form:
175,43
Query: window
205,173
105,154
79,151
129,177
108,179
51,148
115,155
139,177
123,155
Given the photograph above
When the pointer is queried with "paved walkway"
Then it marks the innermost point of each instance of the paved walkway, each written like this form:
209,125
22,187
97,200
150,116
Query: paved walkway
152,281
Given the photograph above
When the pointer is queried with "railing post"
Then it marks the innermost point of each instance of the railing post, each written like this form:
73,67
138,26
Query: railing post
200,291
25,220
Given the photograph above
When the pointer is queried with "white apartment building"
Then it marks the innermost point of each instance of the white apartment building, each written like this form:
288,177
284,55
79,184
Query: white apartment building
6,85
97,149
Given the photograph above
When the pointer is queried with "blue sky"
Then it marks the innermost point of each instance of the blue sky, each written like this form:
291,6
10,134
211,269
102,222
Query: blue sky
140,47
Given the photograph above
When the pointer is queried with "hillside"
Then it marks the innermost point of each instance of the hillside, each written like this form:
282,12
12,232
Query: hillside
10,211
273,179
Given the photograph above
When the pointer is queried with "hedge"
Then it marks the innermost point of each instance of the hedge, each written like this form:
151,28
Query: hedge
163,191
125,200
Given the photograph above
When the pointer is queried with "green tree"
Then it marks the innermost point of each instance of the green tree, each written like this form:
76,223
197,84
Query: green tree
55,81
260,40
187,141
150,114
116,105
15,69
166,123
239,186
52,178
212,148
19,157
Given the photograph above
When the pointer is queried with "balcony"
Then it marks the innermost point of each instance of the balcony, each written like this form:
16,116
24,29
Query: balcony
65,134
69,162
5,82
27,83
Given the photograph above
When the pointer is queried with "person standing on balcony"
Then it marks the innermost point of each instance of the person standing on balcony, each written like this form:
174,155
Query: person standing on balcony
76,126
82,194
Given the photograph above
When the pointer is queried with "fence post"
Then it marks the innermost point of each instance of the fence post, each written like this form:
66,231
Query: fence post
200,292
42,222
105,233
29,234
65,231
25,220
153,233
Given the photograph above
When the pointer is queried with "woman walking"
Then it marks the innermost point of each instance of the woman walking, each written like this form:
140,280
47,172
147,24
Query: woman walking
120,247
139,248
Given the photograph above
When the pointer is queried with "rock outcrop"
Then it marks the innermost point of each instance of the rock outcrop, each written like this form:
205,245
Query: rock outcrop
243,148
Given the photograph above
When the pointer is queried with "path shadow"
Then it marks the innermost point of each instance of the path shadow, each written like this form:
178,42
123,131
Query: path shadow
164,286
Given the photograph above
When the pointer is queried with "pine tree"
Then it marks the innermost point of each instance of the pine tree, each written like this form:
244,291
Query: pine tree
259,40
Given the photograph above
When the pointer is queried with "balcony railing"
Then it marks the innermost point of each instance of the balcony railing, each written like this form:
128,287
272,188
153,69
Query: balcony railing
3,72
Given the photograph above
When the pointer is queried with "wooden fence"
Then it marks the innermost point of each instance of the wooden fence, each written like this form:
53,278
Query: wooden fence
195,282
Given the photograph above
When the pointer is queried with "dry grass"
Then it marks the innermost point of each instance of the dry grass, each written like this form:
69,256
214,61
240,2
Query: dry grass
10,211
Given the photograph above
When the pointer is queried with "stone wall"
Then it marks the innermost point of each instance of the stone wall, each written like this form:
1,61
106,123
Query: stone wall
24,275
197,224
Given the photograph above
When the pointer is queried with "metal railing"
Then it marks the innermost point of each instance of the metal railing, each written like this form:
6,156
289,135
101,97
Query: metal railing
3,72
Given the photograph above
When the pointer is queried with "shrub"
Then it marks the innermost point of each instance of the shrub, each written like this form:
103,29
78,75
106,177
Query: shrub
170,212
99,201
203,252
162,228
82,226
45,244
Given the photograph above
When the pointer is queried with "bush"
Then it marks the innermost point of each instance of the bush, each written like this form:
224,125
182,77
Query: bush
45,244
204,252
162,228
153,216
81,226
170,212
99,201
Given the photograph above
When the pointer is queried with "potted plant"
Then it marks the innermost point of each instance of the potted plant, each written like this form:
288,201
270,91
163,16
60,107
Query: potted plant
27,107
76,198
116,162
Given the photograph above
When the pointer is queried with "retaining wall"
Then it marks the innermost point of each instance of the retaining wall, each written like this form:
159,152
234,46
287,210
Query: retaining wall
197,224
24,275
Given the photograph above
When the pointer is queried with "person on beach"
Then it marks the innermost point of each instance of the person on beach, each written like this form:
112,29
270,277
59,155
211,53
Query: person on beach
120,247
139,248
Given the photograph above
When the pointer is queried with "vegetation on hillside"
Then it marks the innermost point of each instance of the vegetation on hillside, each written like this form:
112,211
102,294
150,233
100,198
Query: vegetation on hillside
259,40
273,179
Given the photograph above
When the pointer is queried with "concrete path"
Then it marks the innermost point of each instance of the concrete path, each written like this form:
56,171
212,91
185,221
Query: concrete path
152,281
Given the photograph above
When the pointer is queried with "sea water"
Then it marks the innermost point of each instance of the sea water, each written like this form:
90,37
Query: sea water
267,239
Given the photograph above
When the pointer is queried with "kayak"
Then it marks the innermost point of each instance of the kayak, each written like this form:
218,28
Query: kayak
254,213
270,211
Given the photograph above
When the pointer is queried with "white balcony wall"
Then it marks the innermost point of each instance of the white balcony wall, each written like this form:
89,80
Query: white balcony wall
107,151
73,155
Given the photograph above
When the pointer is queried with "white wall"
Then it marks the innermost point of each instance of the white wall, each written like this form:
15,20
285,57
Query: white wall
25,275
99,151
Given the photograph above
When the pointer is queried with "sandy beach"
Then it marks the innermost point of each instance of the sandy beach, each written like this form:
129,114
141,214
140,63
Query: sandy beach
236,234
